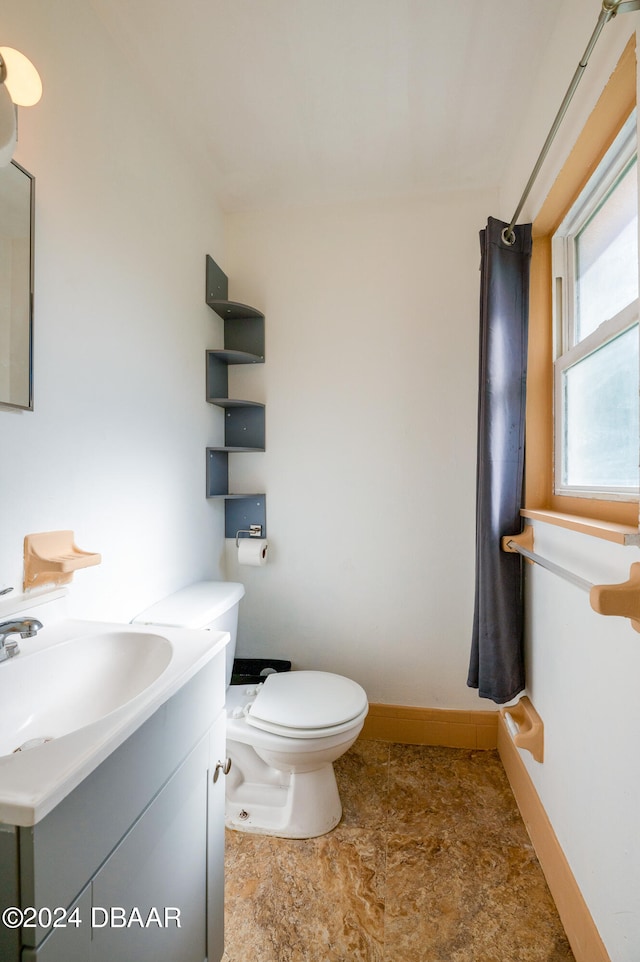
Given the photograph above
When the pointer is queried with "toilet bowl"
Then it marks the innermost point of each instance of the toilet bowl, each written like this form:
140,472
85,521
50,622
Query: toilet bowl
283,735
283,738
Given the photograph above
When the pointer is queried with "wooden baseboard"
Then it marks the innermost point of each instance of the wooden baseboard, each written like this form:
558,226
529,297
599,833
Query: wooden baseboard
431,726
585,941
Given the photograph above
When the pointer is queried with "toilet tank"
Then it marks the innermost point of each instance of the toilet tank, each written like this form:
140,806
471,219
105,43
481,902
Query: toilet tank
207,605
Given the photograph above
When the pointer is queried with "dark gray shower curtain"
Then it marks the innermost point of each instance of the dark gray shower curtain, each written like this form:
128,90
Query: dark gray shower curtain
496,666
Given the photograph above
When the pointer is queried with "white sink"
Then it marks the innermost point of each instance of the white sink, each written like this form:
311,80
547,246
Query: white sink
54,691
76,691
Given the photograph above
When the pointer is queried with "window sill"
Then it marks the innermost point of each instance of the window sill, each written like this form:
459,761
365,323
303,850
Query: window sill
624,534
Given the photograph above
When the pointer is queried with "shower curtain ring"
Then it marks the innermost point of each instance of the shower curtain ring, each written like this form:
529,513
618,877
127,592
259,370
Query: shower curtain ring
508,236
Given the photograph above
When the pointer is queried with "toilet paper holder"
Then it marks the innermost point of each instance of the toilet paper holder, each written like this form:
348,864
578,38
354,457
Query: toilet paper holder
253,531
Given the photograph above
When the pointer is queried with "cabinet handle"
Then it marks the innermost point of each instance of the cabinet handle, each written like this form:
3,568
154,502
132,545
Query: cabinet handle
224,767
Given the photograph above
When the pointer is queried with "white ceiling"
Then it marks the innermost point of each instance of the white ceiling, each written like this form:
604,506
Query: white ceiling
299,101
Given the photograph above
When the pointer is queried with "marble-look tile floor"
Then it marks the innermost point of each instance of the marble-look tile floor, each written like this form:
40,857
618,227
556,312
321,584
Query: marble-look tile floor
430,863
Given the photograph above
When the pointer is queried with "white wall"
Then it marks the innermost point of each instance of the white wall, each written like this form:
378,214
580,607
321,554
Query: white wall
583,668
115,447
370,384
583,671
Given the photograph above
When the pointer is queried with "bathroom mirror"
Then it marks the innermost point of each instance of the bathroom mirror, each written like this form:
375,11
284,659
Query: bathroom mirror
17,188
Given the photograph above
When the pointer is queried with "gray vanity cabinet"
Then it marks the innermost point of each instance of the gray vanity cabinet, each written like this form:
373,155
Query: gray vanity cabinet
138,847
160,864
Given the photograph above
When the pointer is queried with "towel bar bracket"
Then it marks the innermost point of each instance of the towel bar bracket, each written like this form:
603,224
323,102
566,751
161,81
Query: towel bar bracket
511,543
622,599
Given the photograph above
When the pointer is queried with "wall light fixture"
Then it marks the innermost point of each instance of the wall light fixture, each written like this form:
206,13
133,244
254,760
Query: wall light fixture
20,85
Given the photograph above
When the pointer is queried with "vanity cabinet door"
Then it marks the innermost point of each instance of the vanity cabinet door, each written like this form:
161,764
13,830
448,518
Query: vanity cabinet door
71,943
215,842
151,894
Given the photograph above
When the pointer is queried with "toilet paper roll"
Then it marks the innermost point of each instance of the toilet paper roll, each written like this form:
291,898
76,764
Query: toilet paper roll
252,551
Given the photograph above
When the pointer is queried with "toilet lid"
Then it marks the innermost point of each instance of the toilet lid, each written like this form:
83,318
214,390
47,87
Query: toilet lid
306,701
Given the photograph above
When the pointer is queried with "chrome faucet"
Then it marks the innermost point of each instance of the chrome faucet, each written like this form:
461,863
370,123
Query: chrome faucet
25,627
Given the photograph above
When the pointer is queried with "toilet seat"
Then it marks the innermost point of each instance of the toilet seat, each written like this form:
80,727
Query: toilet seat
307,704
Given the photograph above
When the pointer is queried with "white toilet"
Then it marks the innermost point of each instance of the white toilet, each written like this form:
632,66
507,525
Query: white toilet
283,735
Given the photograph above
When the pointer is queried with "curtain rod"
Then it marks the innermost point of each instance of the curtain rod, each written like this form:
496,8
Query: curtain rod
609,10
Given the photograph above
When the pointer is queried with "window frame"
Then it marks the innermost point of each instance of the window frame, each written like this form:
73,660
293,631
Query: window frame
617,162
613,520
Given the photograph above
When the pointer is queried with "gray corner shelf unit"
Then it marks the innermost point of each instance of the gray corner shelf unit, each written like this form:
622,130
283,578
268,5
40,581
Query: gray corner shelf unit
244,421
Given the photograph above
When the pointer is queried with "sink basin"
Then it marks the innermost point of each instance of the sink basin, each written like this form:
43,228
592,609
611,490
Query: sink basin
59,689
76,692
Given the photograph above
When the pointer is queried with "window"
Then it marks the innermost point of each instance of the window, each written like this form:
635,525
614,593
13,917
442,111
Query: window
596,313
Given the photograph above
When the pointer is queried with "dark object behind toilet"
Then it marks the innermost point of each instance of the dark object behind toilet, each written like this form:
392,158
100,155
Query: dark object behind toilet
251,671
